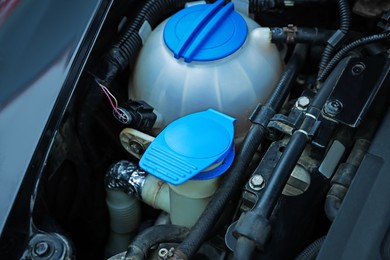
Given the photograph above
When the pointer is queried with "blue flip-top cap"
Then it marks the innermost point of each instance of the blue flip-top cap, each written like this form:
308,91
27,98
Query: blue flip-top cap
189,145
205,32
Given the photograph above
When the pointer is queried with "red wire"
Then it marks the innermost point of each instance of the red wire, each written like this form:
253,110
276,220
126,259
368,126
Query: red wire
109,99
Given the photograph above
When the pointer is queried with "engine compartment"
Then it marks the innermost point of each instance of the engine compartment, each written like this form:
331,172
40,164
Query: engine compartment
175,146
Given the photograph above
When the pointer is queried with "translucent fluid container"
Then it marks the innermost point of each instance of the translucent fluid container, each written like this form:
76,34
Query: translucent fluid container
206,56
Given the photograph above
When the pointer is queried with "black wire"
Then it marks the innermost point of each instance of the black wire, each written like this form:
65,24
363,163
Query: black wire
345,24
353,45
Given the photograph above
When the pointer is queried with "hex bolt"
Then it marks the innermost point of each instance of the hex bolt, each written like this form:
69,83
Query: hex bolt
41,249
302,102
256,182
333,107
358,68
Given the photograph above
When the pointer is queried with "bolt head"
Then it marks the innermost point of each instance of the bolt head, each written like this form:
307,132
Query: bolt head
303,102
256,182
358,68
41,249
333,107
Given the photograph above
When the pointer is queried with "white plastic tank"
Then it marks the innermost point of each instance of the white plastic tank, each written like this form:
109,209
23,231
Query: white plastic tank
206,56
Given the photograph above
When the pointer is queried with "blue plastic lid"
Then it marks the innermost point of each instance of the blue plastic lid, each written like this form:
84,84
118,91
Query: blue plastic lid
189,145
205,32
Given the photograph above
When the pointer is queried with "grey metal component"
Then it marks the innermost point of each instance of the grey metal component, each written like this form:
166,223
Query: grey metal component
298,182
126,176
331,160
257,182
302,103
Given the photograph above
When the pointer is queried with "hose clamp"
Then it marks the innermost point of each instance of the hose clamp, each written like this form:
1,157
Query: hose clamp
291,32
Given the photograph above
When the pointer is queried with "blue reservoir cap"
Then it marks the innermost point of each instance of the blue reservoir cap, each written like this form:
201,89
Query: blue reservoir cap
189,145
205,32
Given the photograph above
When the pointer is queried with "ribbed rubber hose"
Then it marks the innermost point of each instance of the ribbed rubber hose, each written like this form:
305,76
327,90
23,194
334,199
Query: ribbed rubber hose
154,235
116,60
126,48
235,176
353,45
345,25
311,252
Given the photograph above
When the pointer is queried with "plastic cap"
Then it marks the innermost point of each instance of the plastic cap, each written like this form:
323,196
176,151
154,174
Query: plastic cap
205,32
190,145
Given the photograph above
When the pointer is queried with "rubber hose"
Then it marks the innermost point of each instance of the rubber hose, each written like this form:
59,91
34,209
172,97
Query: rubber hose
244,249
154,235
128,45
281,172
345,25
333,202
311,252
314,36
288,77
353,45
346,173
233,180
235,176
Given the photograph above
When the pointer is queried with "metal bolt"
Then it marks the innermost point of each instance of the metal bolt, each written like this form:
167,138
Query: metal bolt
256,182
302,102
162,253
165,254
358,68
41,248
333,107
136,147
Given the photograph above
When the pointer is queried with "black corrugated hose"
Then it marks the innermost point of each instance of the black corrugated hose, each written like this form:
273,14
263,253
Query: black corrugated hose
126,48
235,177
345,50
339,36
311,252
121,53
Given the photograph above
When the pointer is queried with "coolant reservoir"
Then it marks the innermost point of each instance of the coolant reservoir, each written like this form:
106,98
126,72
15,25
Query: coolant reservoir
206,56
